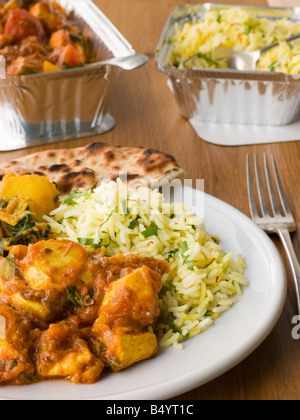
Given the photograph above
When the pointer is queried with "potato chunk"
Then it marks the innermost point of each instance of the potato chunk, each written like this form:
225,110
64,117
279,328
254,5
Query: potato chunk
56,265
39,192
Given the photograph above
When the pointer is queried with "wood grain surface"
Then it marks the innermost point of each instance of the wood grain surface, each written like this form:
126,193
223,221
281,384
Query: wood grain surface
147,115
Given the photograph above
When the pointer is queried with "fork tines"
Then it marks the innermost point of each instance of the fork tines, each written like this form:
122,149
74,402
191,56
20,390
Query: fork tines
280,215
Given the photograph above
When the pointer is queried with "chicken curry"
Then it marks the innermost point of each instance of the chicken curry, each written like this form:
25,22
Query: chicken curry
67,313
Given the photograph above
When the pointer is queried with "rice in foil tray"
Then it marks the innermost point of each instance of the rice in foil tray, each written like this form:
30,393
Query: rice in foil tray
237,28
203,281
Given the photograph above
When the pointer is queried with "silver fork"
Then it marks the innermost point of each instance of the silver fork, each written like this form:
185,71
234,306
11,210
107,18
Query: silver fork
274,222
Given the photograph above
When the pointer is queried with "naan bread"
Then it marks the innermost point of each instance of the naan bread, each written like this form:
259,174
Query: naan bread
84,167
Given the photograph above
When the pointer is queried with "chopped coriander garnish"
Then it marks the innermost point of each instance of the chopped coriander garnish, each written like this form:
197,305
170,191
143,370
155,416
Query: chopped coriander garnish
91,241
249,30
273,65
208,59
184,337
69,199
151,231
184,247
190,264
73,296
133,224
170,321
171,284
170,254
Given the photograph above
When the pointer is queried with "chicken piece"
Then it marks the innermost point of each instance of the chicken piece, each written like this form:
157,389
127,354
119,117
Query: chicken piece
60,352
131,301
24,65
15,341
56,265
32,48
121,348
39,305
130,304
118,264
18,252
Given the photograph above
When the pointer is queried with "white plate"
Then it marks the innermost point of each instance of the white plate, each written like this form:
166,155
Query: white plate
232,337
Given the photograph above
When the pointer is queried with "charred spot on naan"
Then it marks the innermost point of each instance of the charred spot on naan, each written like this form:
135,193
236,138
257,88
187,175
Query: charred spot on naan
153,159
93,149
76,180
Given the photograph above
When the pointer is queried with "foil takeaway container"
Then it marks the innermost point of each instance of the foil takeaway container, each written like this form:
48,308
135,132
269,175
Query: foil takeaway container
48,107
224,95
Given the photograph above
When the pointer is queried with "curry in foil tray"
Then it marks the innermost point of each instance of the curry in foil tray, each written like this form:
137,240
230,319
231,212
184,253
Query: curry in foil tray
40,36
195,41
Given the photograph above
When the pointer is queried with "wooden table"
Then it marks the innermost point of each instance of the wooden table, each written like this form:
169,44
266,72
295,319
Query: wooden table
147,115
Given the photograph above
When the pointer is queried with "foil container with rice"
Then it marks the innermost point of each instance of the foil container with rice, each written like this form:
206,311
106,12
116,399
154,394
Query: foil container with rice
46,107
206,90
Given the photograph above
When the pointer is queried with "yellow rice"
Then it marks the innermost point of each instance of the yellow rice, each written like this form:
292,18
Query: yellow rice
242,30
204,280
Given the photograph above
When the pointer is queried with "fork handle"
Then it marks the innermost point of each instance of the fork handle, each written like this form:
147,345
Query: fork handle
286,240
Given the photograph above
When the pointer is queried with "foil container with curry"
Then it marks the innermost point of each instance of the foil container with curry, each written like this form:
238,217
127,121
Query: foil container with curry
229,96
57,106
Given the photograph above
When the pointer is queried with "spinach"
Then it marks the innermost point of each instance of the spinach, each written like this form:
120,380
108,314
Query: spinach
91,241
23,225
